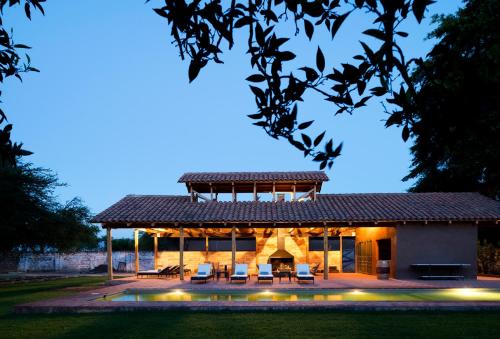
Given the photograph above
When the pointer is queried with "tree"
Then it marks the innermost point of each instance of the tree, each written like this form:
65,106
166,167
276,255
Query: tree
202,29
32,219
13,64
457,123
127,244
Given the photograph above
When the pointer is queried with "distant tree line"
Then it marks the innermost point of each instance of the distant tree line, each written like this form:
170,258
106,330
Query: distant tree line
33,220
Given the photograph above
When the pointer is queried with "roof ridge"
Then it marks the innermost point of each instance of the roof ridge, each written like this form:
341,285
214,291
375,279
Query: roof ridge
397,193
158,195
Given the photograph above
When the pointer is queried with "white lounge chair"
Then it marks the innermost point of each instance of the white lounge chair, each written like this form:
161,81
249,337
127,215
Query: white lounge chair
303,273
265,273
240,273
204,273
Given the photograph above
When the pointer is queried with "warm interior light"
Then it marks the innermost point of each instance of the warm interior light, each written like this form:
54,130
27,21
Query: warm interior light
178,291
357,292
267,292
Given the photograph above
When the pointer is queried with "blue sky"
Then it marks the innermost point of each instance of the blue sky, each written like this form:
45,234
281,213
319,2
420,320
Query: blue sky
112,111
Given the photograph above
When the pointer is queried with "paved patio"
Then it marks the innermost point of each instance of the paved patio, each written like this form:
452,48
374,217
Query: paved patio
86,301
336,280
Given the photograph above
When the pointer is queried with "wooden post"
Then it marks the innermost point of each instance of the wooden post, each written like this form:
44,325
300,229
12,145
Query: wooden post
211,192
206,247
254,191
341,254
155,243
234,192
109,247
191,192
325,253
314,193
181,253
233,248
274,192
307,246
294,191
136,249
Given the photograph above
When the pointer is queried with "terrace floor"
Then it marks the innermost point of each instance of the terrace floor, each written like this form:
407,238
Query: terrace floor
335,280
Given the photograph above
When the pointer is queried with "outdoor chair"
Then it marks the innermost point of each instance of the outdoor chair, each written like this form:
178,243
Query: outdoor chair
240,273
303,273
315,268
265,273
154,273
205,272
172,271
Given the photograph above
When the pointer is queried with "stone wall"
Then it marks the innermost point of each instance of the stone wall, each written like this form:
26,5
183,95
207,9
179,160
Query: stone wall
266,244
80,261
9,262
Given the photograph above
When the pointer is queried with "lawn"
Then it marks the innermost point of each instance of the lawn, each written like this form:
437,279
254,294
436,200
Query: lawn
235,325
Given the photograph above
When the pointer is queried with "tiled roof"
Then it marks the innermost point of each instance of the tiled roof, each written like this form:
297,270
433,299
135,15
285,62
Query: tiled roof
207,177
327,208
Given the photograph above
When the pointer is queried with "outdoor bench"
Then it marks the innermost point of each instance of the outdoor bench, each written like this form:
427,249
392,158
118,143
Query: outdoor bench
440,271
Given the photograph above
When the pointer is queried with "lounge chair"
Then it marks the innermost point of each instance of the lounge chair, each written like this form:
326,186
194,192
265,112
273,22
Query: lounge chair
265,273
205,272
240,273
315,268
303,273
154,273
173,271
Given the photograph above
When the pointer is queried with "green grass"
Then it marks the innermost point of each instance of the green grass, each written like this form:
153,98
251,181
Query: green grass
227,325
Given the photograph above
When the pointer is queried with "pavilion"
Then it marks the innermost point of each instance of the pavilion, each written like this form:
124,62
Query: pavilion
282,218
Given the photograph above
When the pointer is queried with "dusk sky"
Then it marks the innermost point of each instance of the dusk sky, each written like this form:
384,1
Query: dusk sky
112,111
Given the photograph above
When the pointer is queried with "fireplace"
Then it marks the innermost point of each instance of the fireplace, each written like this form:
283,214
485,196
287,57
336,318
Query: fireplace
281,260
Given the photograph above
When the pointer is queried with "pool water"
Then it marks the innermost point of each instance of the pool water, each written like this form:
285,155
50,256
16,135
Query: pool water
452,294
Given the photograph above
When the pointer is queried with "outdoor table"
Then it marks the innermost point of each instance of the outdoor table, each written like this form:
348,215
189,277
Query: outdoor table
284,274
218,274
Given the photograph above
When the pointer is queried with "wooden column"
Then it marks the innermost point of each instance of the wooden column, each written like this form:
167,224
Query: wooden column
109,247
191,192
211,192
307,249
314,193
234,192
206,247
254,191
181,253
233,249
325,253
341,254
136,249
294,191
274,191
155,243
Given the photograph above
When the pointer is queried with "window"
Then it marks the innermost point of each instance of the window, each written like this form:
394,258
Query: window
168,244
173,244
316,243
246,244
224,244
195,244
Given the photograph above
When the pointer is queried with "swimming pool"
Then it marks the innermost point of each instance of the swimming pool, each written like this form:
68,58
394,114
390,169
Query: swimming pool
291,295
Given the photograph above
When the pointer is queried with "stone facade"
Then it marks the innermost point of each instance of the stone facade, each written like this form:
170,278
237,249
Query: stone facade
266,244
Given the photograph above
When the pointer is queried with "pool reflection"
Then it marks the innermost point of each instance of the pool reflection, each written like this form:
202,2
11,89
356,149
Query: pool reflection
318,295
